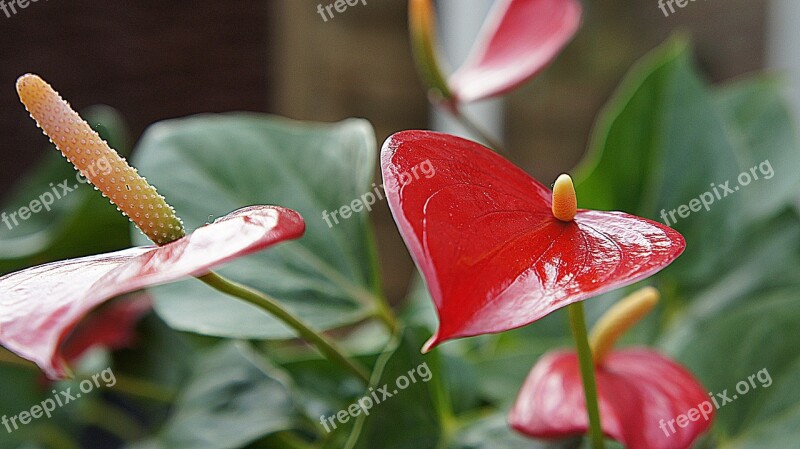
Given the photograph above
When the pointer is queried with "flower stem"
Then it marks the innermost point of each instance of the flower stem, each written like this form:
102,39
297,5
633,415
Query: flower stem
328,348
477,130
144,389
383,312
577,323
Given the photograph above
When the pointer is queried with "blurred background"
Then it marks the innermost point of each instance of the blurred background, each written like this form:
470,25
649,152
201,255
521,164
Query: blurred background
155,60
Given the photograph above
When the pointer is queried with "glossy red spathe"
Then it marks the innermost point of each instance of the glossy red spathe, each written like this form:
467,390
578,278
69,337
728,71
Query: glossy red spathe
39,306
641,395
518,40
483,235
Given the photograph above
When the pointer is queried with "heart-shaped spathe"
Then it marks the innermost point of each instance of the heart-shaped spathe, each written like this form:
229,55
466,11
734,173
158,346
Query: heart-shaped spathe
483,235
646,400
518,40
39,306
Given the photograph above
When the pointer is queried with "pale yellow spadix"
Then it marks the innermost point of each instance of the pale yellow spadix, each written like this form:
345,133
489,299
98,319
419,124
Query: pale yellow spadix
565,202
98,162
619,318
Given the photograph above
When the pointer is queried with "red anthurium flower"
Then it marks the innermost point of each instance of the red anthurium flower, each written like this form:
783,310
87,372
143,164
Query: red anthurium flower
493,254
518,40
40,306
646,400
641,394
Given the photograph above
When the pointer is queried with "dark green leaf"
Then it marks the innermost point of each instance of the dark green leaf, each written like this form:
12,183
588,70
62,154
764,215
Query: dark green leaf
207,166
412,417
493,433
233,398
753,348
668,139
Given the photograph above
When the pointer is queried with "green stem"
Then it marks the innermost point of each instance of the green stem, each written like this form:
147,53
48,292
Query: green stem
377,373
114,420
444,406
144,389
378,304
52,436
577,323
383,311
327,347
288,440
477,130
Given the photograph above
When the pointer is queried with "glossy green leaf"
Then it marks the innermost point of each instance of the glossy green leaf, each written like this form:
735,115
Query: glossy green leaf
232,399
322,388
412,417
160,354
750,356
207,166
493,433
667,141
25,393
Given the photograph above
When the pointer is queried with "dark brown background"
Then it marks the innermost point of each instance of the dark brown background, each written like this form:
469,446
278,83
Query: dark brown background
154,60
